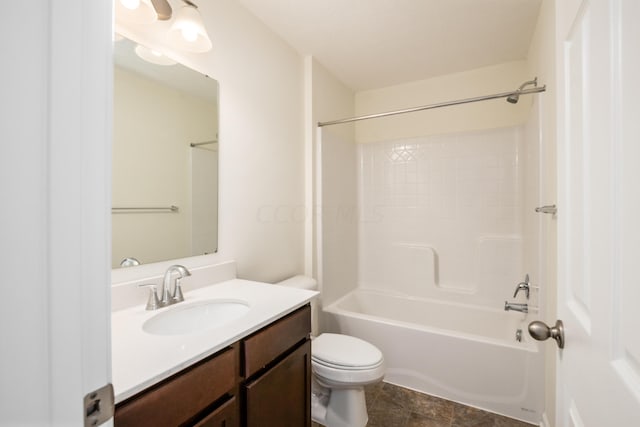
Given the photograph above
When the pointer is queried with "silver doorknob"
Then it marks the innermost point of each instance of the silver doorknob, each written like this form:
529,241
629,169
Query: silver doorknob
540,331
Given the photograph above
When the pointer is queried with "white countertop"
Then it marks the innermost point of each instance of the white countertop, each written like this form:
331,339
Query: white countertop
140,359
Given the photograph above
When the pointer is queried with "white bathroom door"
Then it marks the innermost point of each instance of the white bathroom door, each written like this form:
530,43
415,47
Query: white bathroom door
598,59
56,147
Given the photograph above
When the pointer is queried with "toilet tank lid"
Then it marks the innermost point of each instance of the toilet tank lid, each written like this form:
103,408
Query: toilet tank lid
345,350
300,282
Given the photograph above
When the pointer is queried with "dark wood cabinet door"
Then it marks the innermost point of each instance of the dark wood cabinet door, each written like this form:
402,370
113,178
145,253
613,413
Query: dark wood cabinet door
281,397
225,416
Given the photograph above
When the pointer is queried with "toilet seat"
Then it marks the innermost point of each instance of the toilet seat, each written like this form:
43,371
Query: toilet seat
346,360
344,368
336,350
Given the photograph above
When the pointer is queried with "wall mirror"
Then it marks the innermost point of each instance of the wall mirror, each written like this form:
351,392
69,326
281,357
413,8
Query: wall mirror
165,158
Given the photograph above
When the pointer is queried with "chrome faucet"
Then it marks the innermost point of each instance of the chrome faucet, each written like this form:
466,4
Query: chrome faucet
175,297
523,308
168,297
523,286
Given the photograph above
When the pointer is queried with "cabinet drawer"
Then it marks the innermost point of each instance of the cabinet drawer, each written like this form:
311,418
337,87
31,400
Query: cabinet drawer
267,344
177,399
225,416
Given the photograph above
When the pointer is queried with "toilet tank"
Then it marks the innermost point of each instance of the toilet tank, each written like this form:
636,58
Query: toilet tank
309,283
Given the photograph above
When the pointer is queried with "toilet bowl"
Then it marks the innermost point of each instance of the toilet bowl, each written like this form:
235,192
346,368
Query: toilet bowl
342,365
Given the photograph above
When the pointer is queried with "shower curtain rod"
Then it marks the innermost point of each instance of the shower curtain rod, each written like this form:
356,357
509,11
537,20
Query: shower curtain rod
438,105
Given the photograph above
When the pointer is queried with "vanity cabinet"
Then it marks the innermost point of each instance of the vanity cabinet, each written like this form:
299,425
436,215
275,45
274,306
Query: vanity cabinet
262,380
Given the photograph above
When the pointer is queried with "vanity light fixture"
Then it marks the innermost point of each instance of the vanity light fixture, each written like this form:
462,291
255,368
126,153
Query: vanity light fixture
153,56
187,31
135,11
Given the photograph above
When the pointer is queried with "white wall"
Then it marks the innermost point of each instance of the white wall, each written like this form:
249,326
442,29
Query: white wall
338,212
262,205
476,116
152,165
336,200
331,100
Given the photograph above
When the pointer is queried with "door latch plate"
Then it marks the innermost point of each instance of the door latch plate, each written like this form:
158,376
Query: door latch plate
98,406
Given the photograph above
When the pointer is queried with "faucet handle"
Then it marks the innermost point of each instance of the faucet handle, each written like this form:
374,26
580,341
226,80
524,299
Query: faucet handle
177,292
523,286
153,303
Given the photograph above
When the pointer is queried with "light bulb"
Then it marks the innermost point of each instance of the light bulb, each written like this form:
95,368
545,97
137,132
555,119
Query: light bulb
130,4
190,33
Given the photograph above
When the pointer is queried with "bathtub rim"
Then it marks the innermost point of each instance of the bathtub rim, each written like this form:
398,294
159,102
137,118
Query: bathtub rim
529,345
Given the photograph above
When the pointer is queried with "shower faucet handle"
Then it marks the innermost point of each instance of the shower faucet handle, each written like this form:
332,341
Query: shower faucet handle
523,286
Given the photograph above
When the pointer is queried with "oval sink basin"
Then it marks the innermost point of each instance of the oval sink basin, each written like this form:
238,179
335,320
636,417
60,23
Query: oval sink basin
195,317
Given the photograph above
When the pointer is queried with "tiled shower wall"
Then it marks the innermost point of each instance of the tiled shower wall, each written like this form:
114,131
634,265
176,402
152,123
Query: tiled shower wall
441,216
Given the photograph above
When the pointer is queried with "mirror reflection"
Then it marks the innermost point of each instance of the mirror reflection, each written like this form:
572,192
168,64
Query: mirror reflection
165,159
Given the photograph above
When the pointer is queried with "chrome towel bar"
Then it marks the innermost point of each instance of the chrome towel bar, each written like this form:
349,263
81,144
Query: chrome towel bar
162,209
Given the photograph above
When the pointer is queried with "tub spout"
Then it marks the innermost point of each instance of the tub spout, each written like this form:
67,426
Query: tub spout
523,308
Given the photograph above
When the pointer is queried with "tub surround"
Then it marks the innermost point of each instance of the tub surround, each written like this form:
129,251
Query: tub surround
432,204
140,359
445,229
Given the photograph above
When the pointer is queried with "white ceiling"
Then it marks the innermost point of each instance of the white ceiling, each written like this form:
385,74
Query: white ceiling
376,43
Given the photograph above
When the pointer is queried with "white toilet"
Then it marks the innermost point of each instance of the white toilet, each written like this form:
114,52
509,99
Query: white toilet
342,365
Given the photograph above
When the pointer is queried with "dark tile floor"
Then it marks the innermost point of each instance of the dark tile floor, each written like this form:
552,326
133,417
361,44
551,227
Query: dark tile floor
393,406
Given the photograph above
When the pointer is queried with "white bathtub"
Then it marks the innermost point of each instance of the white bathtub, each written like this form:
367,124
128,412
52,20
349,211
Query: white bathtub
462,353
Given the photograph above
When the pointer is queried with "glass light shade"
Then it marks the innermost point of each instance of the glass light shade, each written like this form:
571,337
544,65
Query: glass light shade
187,31
130,4
153,56
135,11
